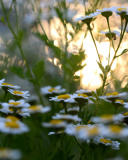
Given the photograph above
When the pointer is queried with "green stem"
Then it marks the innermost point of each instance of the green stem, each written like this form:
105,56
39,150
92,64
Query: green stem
21,51
17,19
109,52
110,33
64,104
119,43
94,41
6,92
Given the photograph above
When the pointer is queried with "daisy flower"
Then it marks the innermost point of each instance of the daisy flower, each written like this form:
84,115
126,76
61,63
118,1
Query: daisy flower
83,91
106,12
107,118
71,111
85,132
113,34
80,98
88,18
6,153
9,111
36,109
116,131
69,118
16,104
111,97
23,94
52,90
107,142
13,127
121,10
7,85
63,98
55,123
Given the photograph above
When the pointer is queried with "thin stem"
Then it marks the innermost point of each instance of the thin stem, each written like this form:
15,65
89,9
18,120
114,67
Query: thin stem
121,26
119,44
11,7
109,52
64,104
94,42
17,19
110,33
21,50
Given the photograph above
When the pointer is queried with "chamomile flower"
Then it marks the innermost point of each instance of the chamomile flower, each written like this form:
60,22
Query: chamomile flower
52,90
63,98
107,118
69,118
9,111
88,18
6,86
106,12
13,127
107,142
36,109
111,97
83,91
16,104
71,111
121,10
23,94
113,34
9,154
55,123
85,132
80,98
116,131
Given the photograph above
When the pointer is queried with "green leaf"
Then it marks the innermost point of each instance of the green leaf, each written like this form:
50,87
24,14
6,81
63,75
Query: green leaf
101,76
107,68
101,67
94,94
19,71
38,70
92,99
123,52
2,19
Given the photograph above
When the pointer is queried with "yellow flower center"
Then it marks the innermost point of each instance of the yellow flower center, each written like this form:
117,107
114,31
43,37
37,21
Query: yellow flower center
6,84
17,92
84,95
107,116
14,103
121,101
89,122
78,128
125,114
66,96
12,125
105,140
115,129
52,89
12,118
121,9
11,109
35,108
56,121
93,131
112,94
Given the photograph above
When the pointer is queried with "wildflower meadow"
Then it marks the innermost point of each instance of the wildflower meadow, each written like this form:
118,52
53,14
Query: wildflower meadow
63,80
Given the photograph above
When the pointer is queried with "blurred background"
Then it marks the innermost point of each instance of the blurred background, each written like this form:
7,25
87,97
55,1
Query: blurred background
60,50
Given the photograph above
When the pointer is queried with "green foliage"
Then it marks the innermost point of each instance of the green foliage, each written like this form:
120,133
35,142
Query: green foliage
19,71
38,70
